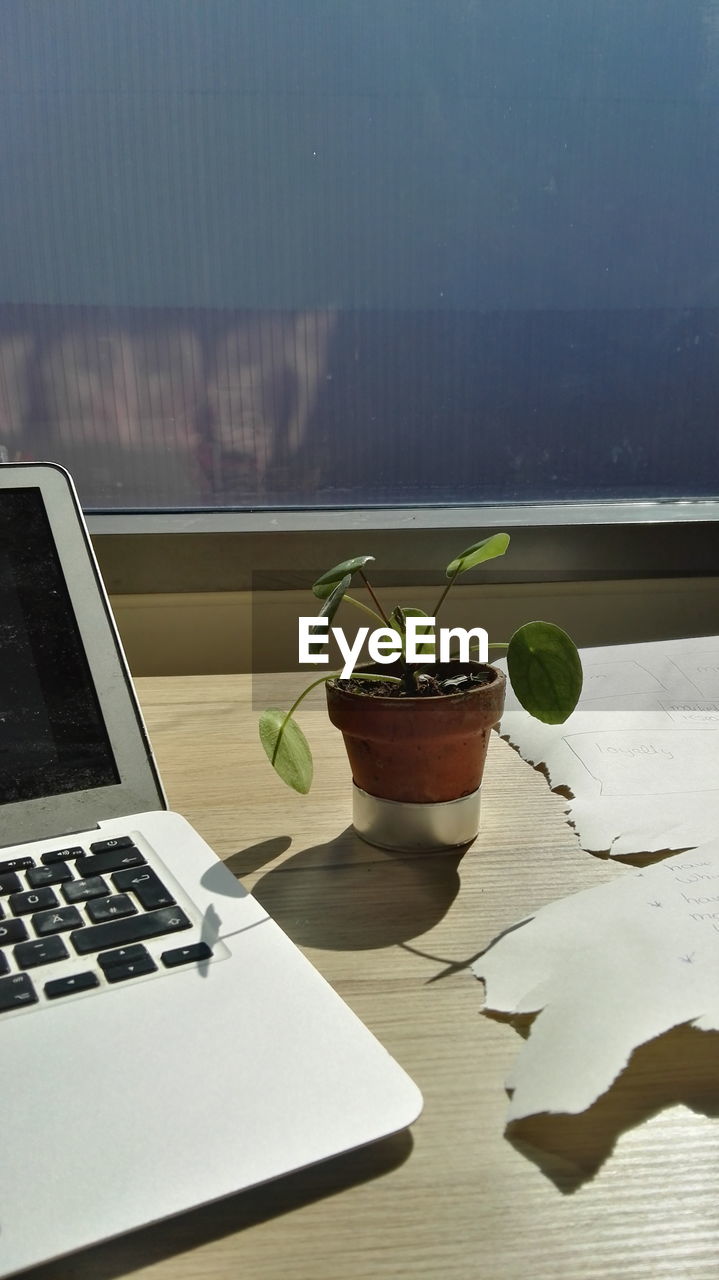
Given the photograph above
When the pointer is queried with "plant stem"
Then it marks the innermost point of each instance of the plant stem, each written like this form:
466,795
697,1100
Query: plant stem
380,610
440,602
401,658
295,705
491,644
361,675
359,605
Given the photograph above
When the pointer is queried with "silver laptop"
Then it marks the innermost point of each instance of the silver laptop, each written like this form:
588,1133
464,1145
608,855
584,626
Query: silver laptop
151,1014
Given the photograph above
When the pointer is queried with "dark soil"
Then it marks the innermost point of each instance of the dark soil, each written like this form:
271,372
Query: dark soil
428,682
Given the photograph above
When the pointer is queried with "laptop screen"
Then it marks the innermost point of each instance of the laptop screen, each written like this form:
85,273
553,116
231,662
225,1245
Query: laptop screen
53,737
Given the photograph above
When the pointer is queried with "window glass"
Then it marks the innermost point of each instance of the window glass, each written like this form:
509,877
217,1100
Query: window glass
307,253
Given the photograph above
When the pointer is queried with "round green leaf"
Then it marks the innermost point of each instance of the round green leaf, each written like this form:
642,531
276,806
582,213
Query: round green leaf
487,549
287,749
324,586
545,671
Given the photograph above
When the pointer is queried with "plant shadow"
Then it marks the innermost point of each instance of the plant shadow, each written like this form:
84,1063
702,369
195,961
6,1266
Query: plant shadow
245,861
680,1067
370,897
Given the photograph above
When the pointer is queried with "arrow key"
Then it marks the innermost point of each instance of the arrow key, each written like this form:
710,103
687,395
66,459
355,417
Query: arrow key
122,955
131,969
186,955
68,986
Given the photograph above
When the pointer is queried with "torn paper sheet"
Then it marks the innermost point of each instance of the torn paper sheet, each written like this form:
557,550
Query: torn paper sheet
640,755
607,970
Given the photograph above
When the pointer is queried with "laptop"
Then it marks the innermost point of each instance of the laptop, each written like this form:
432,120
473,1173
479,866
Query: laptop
163,1043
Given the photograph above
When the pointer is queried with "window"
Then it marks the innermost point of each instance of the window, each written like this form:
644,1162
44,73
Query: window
302,253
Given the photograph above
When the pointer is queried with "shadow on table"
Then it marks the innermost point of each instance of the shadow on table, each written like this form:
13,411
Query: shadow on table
201,1227
365,898
679,1067
245,861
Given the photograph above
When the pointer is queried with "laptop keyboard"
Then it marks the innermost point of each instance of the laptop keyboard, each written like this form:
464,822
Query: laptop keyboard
79,919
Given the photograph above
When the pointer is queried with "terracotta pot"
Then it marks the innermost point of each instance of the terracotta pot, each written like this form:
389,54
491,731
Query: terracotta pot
418,752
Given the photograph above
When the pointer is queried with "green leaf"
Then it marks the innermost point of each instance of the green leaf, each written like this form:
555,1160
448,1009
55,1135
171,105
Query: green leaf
400,613
487,549
545,670
324,586
329,608
334,599
398,620
287,749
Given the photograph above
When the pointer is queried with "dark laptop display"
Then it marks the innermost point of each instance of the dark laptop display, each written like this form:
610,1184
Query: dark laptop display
52,735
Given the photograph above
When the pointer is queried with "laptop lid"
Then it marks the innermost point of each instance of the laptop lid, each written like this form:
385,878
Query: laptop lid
73,746
227,1071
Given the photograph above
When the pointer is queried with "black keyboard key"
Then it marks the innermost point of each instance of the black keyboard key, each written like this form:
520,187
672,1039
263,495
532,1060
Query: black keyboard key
58,921
12,931
28,955
99,864
4,963
112,908
68,986
82,890
122,955
16,992
62,855
185,955
15,864
135,969
21,904
38,877
117,933
116,842
10,883
148,887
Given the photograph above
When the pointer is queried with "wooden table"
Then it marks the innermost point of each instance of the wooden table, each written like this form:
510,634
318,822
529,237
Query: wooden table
455,1198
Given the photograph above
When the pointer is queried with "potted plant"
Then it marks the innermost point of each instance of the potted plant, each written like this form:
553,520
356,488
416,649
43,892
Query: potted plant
416,720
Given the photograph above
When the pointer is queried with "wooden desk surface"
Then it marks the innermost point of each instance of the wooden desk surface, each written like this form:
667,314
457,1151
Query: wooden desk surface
456,1199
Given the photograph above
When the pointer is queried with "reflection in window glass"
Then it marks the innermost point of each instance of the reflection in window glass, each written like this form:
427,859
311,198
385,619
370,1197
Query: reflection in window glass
269,253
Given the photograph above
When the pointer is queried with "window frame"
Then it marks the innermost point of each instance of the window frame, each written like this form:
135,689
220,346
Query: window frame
221,550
